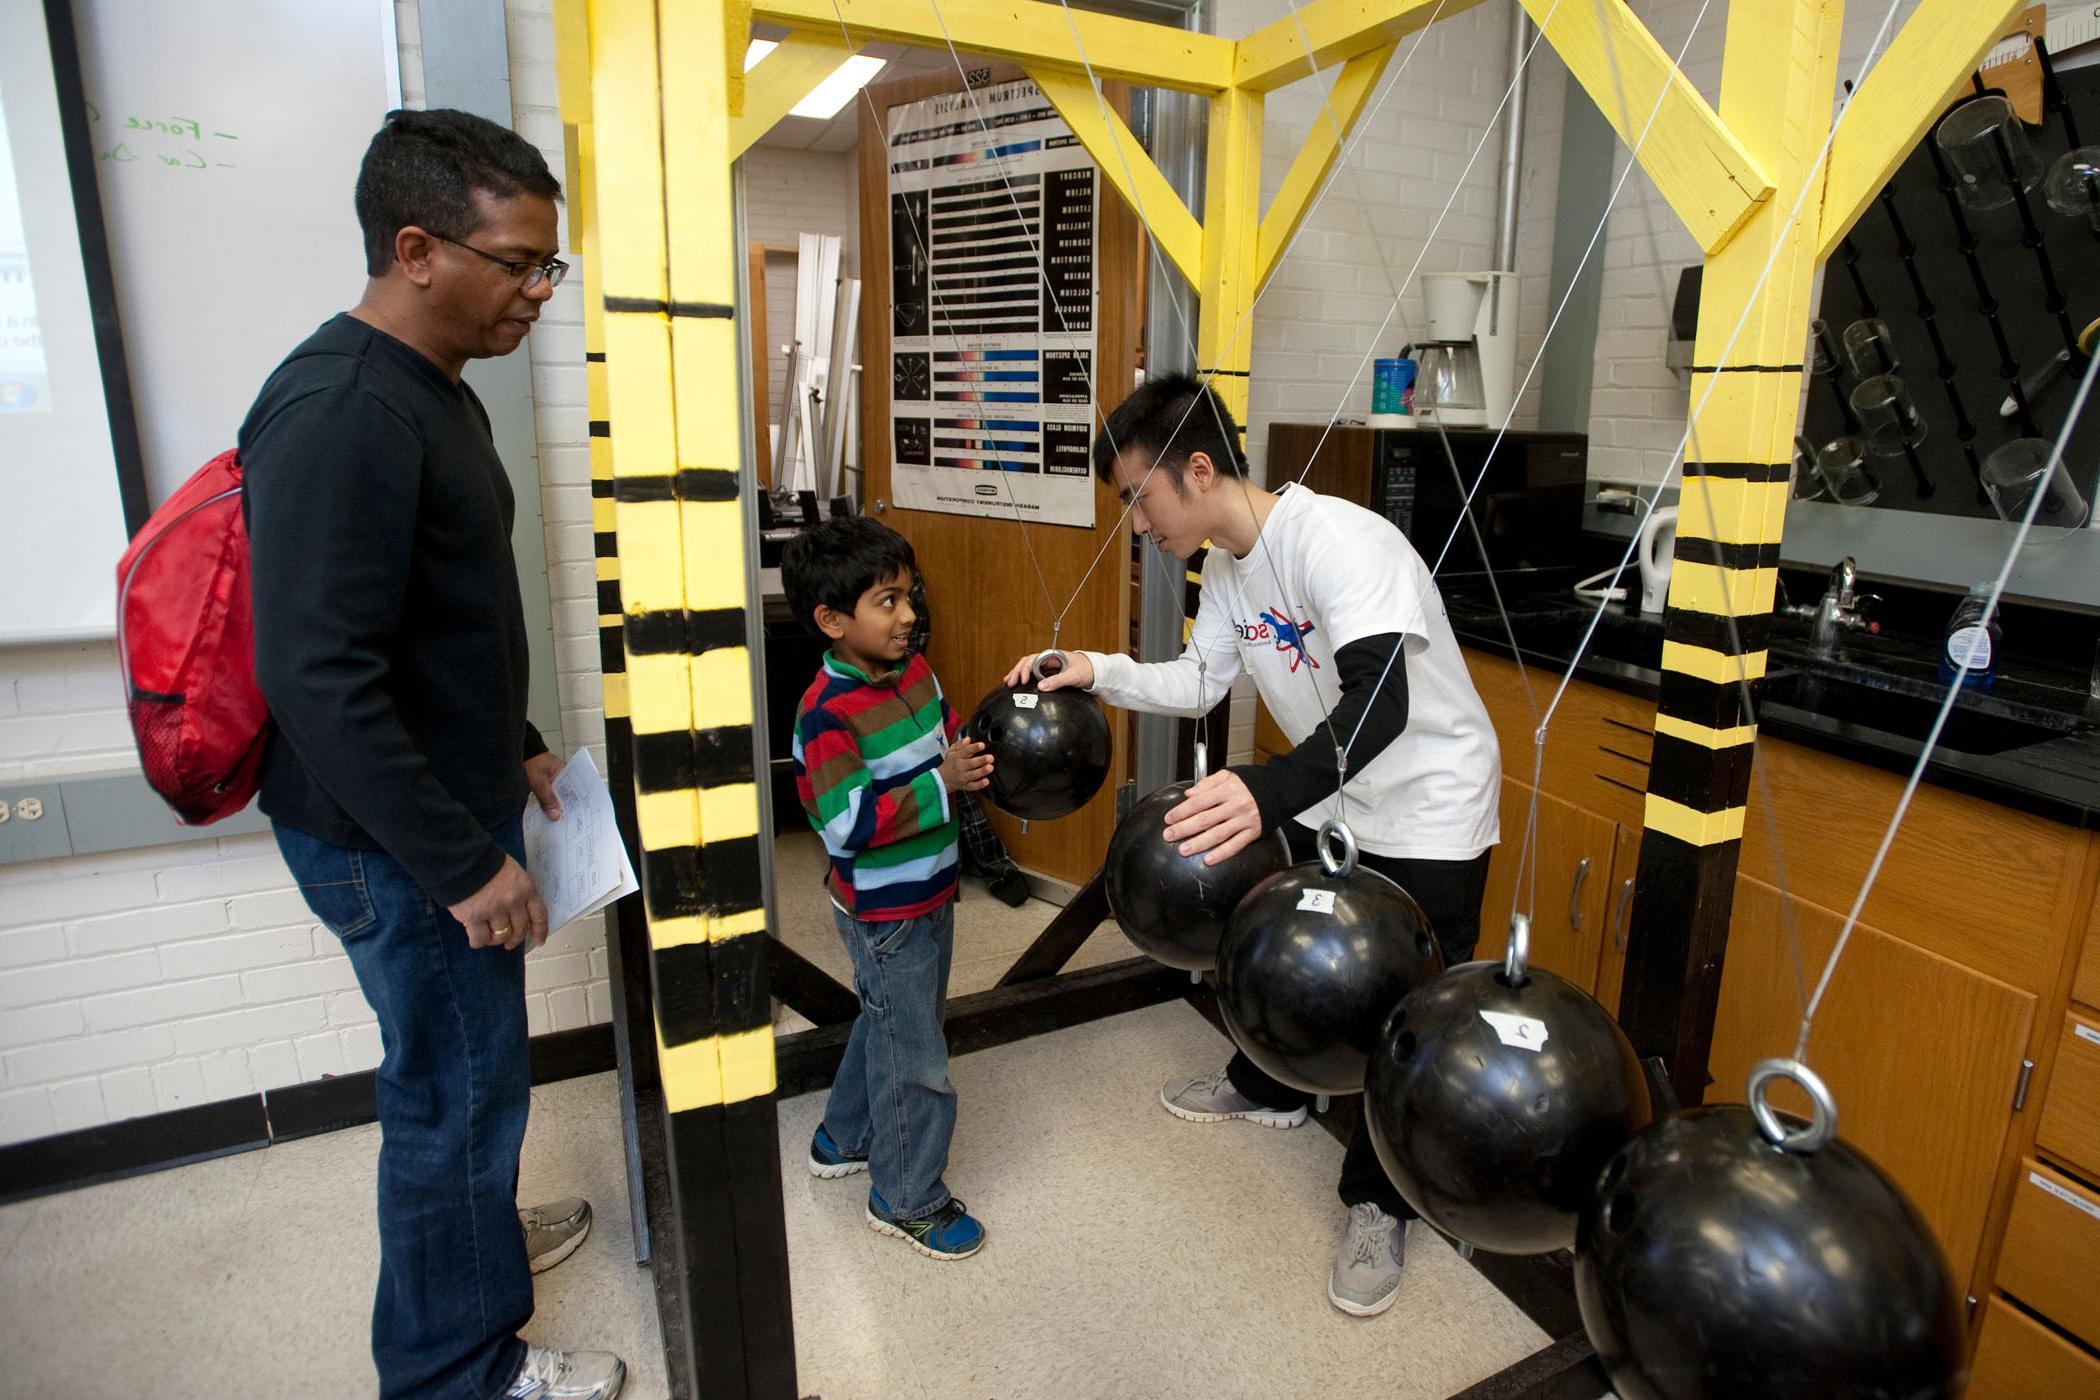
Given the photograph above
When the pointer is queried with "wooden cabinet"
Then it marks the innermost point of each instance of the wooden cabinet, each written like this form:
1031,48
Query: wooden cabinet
2070,1129
1922,1054
2019,1359
1566,886
2086,987
2050,1243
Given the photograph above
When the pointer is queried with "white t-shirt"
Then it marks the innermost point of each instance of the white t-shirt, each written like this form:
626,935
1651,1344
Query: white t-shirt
1325,573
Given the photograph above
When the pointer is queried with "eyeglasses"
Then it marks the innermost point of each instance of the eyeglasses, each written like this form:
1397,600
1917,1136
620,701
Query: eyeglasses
527,274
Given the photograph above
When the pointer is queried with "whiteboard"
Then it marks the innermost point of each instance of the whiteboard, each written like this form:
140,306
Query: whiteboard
61,515
227,138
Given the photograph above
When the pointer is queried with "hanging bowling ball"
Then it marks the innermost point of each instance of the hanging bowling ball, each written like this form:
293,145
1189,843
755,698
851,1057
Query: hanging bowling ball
1174,906
1050,751
1711,1264
1312,962
1493,1106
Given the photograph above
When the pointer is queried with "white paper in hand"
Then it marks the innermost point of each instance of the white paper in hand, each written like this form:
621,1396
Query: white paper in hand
578,862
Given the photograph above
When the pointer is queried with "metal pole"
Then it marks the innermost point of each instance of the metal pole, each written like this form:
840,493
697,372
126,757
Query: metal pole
1505,255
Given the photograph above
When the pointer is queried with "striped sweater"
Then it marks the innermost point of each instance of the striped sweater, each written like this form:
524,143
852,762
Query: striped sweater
867,760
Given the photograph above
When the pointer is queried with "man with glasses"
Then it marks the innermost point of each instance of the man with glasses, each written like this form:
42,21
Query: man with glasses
390,644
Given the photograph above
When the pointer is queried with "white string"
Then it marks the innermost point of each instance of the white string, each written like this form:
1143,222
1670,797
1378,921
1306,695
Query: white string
1939,721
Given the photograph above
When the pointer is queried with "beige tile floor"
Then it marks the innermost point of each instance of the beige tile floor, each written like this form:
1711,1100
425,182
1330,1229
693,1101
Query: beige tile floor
1131,1256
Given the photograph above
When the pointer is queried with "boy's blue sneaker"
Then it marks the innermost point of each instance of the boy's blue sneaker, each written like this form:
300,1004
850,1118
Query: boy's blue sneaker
949,1233
825,1159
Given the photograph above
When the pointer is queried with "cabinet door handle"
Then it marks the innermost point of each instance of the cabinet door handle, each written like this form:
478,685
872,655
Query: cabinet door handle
1619,913
1582,875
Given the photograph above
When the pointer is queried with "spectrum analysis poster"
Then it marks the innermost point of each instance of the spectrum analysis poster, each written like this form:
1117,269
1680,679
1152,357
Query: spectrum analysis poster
992,307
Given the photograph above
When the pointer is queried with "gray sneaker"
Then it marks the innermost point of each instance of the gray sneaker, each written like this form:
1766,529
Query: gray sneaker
553,1231
568,1375
1212,1099
1366,1275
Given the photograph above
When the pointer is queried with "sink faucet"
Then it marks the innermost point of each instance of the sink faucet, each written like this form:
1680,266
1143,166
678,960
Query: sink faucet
1841,605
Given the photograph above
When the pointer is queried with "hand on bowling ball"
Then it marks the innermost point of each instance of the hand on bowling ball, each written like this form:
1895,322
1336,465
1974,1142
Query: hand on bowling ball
1078,670
1218,820
966,767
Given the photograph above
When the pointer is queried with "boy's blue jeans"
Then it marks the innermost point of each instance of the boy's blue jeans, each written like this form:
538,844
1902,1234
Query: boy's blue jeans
453,1089
892,1102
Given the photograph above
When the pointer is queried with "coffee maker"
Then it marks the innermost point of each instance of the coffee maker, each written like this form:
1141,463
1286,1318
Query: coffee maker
1469,359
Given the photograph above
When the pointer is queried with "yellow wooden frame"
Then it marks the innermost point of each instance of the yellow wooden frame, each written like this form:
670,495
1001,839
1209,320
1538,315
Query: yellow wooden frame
657,108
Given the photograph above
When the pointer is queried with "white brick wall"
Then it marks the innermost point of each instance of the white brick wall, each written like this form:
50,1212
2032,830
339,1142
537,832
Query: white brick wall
157,979
1639,409
1322,311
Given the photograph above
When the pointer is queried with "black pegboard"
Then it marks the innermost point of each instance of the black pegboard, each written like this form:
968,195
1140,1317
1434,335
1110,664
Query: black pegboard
1906,256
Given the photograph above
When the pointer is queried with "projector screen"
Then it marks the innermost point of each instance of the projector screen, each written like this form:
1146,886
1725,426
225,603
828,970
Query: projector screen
62,515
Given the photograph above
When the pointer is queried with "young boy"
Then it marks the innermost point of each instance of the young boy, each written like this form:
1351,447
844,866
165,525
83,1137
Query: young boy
876,764
1311,596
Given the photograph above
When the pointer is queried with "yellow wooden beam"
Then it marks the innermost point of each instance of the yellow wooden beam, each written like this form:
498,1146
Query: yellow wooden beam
1710,180
1029,32
1231,206
1907,89
784,77
1337,31
1323,146
1112,145
736,38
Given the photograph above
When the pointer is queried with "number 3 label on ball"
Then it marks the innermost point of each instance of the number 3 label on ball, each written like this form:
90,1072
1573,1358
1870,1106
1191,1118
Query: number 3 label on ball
1318,901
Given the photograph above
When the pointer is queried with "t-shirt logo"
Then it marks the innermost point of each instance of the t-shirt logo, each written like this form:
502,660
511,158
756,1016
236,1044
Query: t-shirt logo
1290,636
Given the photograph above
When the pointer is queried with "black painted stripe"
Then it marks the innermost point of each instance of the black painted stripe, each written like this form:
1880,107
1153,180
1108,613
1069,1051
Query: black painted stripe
690,881
608,596
1746,369
669,631
611,657
1704,779
601,488
1233,373
594,357
690,484
703,310
718,757
601,427
1749,634
1699,550
606,544
711,989
1735,471
1704,702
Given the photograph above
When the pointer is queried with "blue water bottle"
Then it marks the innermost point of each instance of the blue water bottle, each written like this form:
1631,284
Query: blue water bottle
1393,388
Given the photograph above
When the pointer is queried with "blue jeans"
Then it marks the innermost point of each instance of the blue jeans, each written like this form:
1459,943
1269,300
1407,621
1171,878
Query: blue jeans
892,1102
453,1087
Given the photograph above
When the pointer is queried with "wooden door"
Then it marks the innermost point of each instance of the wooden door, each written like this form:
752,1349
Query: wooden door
1921,1053
1569,899
981,582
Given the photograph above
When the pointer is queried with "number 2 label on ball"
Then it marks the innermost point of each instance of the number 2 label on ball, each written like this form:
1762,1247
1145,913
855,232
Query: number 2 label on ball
1025,701
1521,1032
1318,901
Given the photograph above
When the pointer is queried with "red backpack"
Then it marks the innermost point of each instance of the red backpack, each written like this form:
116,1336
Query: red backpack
186,643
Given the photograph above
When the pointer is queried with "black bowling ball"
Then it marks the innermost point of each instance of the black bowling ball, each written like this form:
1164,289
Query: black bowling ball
1174,906
1711,1265
1312,963
1493,1107
1050,751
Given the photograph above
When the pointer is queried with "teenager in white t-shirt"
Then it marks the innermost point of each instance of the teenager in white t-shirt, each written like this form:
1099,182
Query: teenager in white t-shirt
1309,595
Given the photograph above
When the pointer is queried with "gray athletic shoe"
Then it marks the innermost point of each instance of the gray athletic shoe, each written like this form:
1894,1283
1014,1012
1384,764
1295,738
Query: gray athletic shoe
1366,1275
1212,1099
567,1375
553,1231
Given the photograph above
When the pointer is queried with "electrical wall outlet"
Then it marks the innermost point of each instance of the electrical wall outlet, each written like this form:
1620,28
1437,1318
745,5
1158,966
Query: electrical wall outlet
33,824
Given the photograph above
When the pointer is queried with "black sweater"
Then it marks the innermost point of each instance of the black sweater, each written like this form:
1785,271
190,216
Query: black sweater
389,635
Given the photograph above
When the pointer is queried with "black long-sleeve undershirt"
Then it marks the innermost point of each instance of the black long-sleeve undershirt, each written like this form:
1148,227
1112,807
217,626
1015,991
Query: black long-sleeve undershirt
1299,780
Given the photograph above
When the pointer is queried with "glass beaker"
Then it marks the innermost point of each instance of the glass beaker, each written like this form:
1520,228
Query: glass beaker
2072,185
1841,465
2013,473
1979,138
1887,415
1822,348
1869,347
